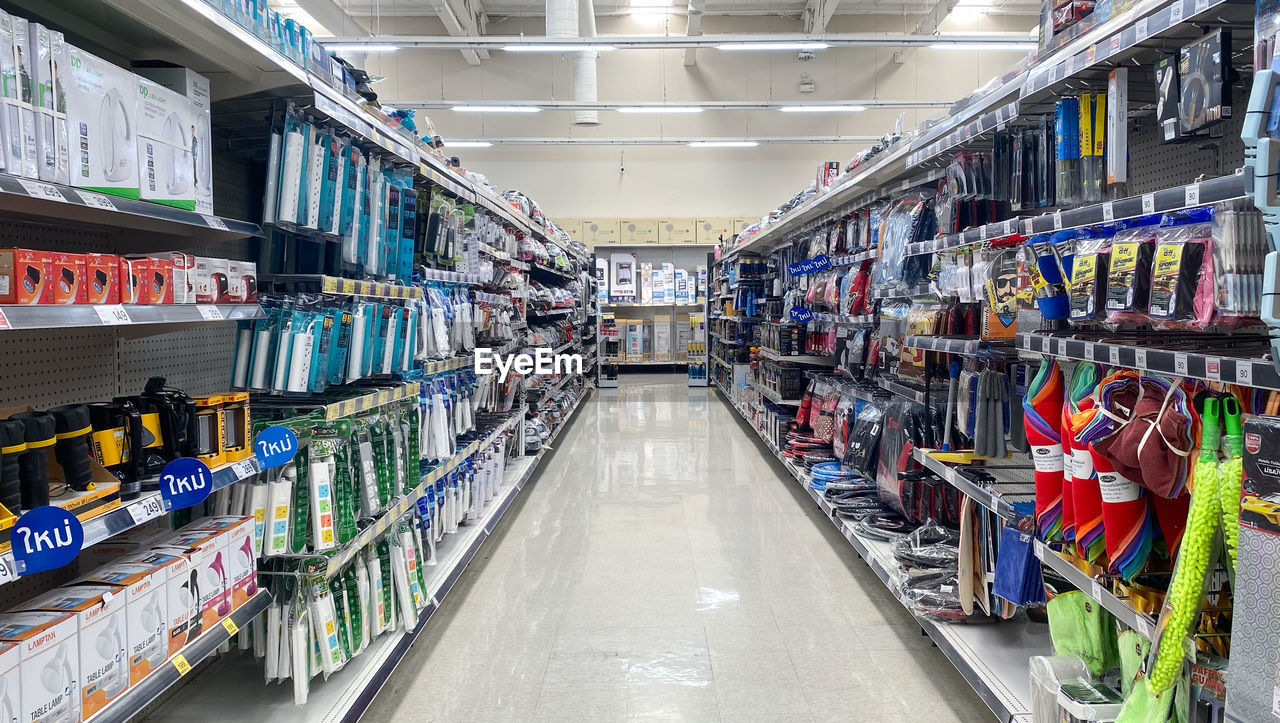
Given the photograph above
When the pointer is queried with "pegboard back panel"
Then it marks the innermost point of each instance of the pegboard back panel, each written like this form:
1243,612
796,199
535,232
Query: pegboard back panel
16,233
47,368
196,360
1154,165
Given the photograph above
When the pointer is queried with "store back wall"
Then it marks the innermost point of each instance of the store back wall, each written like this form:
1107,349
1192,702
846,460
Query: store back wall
589,181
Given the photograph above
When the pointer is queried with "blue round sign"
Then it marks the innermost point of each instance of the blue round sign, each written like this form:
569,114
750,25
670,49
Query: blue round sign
185,482
45,538
275,446
801,314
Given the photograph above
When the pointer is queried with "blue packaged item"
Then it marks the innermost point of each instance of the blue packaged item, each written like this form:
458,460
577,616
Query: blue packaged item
408,231
391,229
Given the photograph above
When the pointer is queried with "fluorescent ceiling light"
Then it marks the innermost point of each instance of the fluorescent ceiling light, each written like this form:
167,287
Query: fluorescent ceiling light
723,144
772,46
362,47
467,144
556,48
495,109
822,108
983,46
661,109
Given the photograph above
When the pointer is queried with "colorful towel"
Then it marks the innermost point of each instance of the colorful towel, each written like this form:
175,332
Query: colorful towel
1042,410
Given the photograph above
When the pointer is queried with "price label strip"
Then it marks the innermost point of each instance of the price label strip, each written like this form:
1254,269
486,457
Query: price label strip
230,626
112,314
36,189
147,509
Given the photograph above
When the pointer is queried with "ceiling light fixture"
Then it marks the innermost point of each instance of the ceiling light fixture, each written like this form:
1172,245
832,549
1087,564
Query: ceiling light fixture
772,46
495,109
362,47
661,109
822,108
723,144
467,144
557,48
984,46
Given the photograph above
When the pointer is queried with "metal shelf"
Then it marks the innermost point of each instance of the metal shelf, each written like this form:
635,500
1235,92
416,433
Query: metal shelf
445,365
952,345
347,407
319,283
137,698
846,319
984,123
775,397
551,313
557,274
998,498
621,363
77,315
916,395
896,293
160,226
773,354
346,695
631,305
1258,373
450,277
1144,624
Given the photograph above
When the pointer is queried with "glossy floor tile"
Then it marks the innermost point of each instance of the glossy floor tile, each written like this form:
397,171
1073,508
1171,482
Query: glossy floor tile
663,566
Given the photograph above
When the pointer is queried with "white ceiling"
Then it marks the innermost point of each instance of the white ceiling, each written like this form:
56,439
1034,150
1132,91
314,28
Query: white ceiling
785,8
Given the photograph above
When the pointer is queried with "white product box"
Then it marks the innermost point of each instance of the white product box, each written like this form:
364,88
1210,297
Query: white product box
646,283
212,280
659,290
702,281
195,88
61,77
669,282
147,613
602,278
173,569
184,287
20,120
48,651
242,562
99,611
622,282
166,127
10,679
102,125
41,62
207,551
661,337
682,287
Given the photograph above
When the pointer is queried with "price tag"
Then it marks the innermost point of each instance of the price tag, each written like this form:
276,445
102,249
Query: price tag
36,189
1201,6
1096,590
1060,347
1140,30
1114,44
112,314
1113,355
1143,627
1148,203
1193,195
1010,226
1040,552
1088,351
181,664
1057,220
982,233
96,200
244,468
1213,369
348,286
1108,212
1044,344
209,312
1180,364
1026,226
1244,373
147,509
215,222
6,574
230,625
1175,13
1140,358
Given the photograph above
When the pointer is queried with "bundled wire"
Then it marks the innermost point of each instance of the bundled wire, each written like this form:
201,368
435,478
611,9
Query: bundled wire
1042,408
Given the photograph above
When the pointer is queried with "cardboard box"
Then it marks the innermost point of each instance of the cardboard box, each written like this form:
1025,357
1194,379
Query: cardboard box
102,278
242,282
61,53
24,119
207,552
99,612
184,289
712,230
154,279
677,231
173,569
165,128
146,615
26,277
195,88
101,123
242,563
213,285
10,679
600,231
46,641
662,337
130,280
69,286
639,231
40,62
646,283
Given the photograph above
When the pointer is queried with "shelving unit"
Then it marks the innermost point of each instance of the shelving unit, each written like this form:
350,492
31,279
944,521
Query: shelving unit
80,315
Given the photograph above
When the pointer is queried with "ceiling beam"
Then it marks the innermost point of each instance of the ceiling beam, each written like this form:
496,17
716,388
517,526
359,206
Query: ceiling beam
331,16
451,23
928,25
696,8
992,41
817,13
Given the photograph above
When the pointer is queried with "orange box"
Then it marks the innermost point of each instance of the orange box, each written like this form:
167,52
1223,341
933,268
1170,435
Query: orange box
69,278
241,562
26,277
160,273
130,273
102,278
207,551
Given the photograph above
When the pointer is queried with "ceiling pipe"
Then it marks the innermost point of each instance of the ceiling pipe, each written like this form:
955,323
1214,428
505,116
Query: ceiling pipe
585,89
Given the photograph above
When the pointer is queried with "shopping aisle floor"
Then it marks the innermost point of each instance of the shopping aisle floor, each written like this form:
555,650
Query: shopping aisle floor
662,567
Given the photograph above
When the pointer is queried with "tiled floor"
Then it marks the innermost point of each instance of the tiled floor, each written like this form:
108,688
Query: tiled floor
662,567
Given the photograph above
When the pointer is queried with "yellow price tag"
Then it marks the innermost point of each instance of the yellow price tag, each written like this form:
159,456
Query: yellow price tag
384,397
330,285
181,664
230,625
348,286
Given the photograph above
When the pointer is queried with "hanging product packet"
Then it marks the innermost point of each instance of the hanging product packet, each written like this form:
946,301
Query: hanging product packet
1090,264
1129,273
1182,276
1042,411
1082,494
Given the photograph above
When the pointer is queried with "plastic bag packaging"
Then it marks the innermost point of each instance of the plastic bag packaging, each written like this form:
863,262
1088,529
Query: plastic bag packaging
1182,276
930,546
1047,674
1089,269
1080,626
864,440
1129,274
932,594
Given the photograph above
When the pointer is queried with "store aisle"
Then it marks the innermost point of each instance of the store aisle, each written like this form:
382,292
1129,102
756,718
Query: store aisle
663,566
